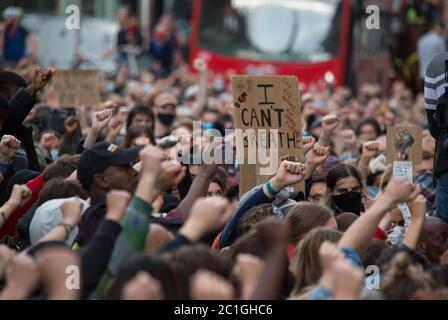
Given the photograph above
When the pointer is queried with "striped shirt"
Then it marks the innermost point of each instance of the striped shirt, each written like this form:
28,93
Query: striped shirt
435,82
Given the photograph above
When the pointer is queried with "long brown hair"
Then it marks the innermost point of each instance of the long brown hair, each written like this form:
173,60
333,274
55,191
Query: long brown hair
306,265
304,217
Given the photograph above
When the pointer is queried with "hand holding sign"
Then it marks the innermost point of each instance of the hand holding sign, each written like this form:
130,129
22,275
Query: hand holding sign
399,190
418,207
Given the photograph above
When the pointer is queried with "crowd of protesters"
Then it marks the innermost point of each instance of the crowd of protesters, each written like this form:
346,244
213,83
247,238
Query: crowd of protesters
94,188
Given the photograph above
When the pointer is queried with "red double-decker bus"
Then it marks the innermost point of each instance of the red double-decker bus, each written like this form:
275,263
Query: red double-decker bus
307,38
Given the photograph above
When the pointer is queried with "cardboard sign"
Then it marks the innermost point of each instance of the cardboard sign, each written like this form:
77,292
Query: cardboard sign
77,87
267,118
404,144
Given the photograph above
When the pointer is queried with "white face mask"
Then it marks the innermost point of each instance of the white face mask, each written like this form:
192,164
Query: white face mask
396,236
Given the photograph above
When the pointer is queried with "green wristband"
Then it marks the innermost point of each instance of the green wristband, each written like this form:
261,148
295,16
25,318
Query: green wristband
270,189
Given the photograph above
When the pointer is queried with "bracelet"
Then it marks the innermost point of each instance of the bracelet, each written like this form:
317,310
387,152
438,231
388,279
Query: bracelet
67,227
270,189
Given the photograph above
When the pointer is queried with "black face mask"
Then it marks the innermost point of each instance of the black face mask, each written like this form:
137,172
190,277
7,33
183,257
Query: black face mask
166,118
347,202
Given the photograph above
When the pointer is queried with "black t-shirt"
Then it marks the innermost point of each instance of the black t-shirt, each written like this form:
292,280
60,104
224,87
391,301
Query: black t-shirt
91,219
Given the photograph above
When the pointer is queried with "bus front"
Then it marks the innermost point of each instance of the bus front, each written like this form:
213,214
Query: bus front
306,38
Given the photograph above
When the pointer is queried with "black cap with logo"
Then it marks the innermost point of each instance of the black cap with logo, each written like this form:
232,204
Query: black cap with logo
101,156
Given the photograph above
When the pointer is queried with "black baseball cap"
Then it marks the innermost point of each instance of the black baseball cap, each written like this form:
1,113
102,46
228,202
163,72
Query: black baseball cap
101,156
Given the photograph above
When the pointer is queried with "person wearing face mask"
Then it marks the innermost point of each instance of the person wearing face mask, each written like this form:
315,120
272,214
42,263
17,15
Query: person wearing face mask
165,112
49,143
344,190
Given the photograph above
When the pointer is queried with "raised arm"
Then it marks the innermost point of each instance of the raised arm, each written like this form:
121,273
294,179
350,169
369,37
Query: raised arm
289,173
99,121
418,210
8,148
23,101
275,236
317,156
207,215
68,143
22,274
360,232
329,125
201,97
57,267
96,255
156,178
369,151
308,144
114,128
20,195
198,189
71,216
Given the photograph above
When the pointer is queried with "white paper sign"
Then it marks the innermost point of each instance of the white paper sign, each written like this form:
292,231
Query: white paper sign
404,169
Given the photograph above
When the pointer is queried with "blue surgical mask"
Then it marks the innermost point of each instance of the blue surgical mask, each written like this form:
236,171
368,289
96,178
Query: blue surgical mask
147,88
219,86
110,87
207,125
54,154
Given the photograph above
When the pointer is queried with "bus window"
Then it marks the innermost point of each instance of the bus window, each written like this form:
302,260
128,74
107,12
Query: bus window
284,30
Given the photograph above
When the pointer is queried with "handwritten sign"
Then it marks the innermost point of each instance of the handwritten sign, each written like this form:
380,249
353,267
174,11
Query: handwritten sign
77,87
404,144
267,118
404,169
